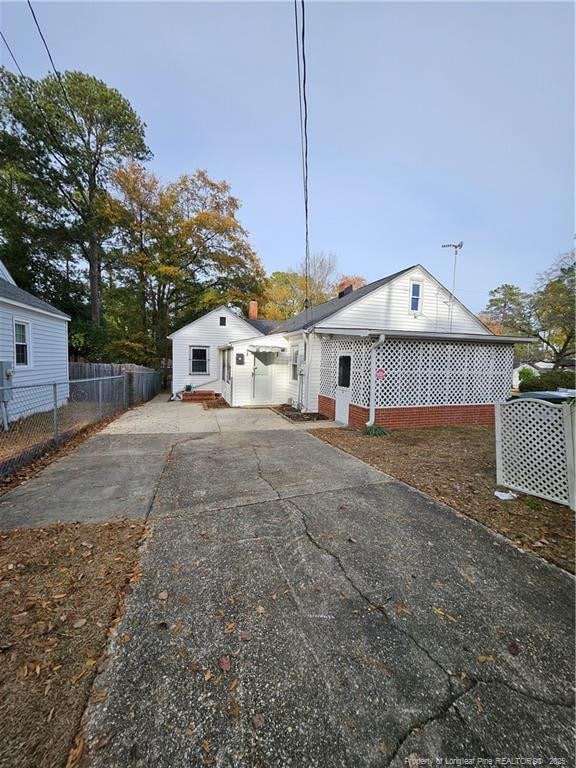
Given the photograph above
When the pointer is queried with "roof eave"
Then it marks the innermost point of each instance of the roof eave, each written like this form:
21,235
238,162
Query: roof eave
489,338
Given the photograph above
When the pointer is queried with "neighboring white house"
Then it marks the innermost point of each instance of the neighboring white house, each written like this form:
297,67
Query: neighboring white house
195,347
33,350
401,351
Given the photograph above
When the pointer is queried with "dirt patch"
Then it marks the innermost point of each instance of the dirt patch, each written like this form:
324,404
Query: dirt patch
457,465
217,402
295,415
60,588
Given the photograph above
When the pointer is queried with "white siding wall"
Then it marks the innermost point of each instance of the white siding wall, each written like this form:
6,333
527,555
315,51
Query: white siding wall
4,274
206,332
313,384
48,354
388,308
242,374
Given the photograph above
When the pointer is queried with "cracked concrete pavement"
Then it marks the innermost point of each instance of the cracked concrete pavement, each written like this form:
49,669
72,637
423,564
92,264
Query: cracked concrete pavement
364,624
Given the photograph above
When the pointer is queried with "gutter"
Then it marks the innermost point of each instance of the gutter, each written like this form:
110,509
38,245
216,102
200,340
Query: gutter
379,341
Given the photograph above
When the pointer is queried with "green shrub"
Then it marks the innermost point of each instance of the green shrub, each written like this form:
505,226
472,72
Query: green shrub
525,374
374,431
549,381
188,388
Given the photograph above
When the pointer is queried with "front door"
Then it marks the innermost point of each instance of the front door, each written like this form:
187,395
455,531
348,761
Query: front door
262,377
343,387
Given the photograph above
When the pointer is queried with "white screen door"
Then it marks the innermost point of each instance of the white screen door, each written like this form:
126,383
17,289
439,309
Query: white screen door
343,387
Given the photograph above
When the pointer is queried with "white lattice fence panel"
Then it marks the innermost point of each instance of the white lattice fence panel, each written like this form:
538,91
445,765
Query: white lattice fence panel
535,449
442,373
359,350
328,347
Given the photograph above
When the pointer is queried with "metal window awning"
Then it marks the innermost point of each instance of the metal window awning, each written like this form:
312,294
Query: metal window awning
263,348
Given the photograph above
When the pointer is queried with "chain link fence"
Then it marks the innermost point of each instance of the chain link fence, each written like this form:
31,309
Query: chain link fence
36,417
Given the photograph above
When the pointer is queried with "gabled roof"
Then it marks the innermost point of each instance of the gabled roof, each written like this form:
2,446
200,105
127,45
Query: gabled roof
314,315
223,308
14,295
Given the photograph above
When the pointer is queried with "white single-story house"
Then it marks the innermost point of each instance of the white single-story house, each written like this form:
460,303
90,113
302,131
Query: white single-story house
401,351
196,346
33,351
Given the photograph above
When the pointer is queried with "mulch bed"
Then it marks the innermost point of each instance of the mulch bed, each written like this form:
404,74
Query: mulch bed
61,589
457,465
295,415
218,402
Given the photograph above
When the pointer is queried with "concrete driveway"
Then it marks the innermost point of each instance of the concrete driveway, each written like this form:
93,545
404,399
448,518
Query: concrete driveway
299,608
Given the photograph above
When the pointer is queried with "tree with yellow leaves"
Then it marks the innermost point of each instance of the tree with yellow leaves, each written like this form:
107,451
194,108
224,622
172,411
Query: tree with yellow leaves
179,251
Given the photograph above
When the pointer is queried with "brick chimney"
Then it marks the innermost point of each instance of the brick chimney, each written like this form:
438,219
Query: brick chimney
252,310
344,288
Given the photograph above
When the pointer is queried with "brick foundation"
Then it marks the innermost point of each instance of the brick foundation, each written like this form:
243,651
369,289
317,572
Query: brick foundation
327,407
412,418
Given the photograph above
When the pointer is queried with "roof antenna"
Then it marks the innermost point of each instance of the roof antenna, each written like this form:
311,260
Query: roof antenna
457,247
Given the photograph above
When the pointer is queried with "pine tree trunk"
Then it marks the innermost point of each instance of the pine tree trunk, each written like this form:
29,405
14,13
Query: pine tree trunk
94,275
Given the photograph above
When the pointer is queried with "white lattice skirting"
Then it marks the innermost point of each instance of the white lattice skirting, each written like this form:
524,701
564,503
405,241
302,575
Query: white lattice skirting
421,373
535,449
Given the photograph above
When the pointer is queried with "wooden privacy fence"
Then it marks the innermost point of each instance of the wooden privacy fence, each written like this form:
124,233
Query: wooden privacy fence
141,383
535,449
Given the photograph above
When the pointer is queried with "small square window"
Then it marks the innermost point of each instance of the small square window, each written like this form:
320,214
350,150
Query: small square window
222,321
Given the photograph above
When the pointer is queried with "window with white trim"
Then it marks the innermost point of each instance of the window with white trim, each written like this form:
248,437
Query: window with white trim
199,361
415,297
294,364
21,343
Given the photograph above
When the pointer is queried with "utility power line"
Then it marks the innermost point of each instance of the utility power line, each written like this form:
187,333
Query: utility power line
303,107
56,72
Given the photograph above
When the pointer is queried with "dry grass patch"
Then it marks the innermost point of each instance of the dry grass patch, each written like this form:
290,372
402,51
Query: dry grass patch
457,465
60,587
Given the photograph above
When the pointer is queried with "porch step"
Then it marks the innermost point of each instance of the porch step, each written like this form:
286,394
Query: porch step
199,396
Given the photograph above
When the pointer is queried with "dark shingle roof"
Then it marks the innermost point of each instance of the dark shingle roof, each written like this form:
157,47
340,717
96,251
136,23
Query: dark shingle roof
322,311
13,293
264,326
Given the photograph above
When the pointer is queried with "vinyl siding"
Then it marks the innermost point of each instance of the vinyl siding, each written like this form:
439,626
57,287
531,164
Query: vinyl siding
242,374
48,355
206,332
388,308
313,384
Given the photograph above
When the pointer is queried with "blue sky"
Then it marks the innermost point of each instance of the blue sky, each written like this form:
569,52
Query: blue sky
429,122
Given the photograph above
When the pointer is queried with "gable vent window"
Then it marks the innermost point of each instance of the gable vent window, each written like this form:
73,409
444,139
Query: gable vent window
199,361
21,343
222,321
415,297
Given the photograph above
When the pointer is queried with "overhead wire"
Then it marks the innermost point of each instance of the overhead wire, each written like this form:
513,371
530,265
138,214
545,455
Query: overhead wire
303,109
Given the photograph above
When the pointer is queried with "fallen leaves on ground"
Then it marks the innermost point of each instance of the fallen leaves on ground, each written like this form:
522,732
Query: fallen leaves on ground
457,465
60,588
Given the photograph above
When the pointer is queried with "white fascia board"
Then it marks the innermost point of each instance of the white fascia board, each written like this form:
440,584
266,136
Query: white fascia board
489,338
28,308
221,308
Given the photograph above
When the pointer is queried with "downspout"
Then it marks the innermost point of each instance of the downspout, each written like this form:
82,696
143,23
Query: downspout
306,386
372,417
